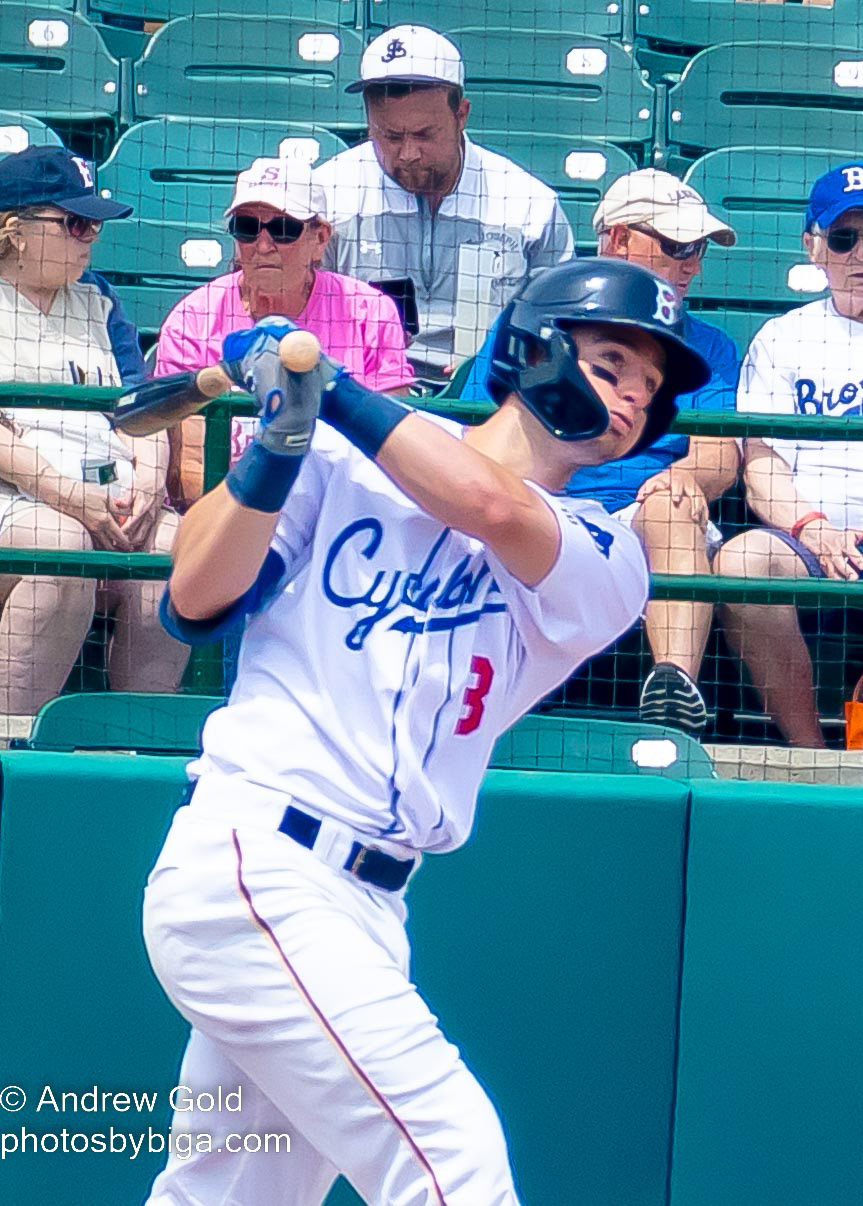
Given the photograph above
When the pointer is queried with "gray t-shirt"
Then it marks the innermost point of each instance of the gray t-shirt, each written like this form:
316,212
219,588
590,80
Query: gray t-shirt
466,261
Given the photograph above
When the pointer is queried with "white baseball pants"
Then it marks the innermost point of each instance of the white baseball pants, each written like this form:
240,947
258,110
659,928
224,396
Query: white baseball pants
294,977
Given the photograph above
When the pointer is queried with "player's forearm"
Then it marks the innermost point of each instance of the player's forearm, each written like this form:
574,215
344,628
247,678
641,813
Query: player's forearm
218,553
770,489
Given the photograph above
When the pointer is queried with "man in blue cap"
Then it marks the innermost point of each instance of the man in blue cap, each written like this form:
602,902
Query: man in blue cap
809,494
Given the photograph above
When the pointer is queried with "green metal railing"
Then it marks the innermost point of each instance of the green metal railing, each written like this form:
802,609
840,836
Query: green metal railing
808,592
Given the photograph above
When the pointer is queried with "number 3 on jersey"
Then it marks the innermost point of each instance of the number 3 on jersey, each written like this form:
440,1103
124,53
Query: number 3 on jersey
474,697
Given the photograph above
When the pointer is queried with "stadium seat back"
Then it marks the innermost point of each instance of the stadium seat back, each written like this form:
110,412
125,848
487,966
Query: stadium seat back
578,169
762,193
767,94
668,32
544,83
183,170
19,131
260,68
118,720
597,17
54,66
573,743
338,11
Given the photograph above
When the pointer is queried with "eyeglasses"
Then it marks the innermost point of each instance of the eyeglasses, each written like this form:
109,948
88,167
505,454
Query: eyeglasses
76,226
675,251
246,228
843,240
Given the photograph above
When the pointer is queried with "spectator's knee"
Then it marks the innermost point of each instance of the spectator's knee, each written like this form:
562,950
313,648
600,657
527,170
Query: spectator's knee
756,554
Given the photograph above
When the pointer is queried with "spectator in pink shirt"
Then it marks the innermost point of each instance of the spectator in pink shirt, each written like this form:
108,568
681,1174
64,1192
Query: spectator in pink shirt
280,239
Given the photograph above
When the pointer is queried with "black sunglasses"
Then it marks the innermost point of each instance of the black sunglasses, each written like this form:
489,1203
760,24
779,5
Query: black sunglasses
77,226
245,228
675,251
843,240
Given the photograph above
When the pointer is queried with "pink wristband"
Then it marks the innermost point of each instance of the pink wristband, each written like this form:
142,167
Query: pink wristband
800,524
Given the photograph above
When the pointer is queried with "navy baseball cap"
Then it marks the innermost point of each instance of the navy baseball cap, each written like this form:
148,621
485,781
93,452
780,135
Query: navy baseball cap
54,176
834,193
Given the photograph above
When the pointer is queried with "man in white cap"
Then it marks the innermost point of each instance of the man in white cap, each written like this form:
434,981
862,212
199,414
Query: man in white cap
653,219
428,213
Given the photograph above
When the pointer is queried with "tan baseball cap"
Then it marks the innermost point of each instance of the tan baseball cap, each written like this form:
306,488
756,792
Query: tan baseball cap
286,184
410,54
661,201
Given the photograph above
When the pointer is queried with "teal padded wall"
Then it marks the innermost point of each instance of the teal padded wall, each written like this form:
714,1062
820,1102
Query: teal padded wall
78,1003
770,1087
549,946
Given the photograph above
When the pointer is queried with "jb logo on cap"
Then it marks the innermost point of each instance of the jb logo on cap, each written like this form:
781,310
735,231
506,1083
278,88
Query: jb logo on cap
395,50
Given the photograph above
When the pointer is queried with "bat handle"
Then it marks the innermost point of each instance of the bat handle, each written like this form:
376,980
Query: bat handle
213,381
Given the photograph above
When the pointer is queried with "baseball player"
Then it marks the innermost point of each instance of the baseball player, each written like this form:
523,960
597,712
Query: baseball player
409,588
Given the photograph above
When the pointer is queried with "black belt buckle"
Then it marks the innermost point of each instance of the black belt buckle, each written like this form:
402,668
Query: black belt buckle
372,866
367,863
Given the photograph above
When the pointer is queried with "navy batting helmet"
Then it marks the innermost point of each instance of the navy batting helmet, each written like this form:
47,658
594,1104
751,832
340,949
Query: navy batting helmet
552,385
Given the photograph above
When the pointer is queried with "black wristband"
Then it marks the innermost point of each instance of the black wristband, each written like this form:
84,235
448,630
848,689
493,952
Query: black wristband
261,479
366,418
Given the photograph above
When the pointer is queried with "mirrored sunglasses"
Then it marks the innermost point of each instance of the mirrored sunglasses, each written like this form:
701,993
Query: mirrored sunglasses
843,240
76,226
675,251
246,229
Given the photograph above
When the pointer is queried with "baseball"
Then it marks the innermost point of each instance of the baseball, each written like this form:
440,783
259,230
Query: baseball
299,351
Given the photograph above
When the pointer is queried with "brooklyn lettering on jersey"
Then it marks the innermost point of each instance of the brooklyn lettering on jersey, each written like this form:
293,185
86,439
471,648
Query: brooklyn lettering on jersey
844,400
464,594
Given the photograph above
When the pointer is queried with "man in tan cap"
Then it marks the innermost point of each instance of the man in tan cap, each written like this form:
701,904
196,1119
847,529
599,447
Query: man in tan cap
653,219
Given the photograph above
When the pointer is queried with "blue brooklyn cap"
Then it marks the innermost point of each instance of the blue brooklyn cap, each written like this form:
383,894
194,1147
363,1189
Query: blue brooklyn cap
834,193
54,176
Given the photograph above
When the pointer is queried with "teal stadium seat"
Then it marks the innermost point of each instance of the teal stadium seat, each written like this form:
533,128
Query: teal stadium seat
344,12
600,747
767,94
19,131
669,32
578,169
601,18
54,66
545,83
179,175
120,720
761,192
261,68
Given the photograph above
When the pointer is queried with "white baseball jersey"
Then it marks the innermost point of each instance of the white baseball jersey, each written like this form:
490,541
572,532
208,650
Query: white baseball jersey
810,362
394,651
70,345
466,260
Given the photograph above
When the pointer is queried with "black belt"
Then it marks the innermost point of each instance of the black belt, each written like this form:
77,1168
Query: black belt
365,862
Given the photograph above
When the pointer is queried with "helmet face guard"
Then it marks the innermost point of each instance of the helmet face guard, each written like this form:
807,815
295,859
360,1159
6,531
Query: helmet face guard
534,358
553,387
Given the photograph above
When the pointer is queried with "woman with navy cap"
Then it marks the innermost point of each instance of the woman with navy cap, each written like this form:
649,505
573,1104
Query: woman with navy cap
67,480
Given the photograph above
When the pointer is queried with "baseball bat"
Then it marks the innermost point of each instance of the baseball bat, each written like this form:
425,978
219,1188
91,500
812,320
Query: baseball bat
166,401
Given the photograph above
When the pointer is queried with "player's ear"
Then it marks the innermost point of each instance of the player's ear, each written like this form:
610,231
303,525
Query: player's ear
811,244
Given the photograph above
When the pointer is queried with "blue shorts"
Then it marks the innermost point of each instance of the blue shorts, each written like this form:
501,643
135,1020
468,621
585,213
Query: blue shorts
808,558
